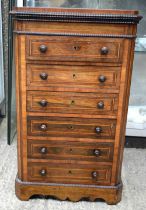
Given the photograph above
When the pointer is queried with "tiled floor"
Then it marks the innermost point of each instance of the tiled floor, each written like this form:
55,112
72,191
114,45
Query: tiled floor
134,178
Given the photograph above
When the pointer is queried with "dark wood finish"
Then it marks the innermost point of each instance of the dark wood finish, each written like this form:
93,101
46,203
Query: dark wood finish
73,73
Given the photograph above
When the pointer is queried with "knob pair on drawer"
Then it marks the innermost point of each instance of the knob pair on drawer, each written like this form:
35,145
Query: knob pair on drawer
43,127
103,51
94,174
101,78
96,152
44,103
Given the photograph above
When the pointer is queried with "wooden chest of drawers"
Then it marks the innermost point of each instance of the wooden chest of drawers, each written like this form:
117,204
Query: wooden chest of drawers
73,72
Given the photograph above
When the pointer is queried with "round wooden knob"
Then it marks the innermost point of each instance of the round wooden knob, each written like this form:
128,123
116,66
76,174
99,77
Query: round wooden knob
44,76
43,103
94,174
43,150
98,129
104,51
96,152
102,78
100,105
43,172
43,127
43,48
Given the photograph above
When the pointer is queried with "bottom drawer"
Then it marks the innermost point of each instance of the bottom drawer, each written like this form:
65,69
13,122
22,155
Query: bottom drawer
69,173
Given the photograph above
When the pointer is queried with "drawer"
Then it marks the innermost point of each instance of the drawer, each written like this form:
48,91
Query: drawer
63,48
59,77
69,173
68,102
71,127
95,152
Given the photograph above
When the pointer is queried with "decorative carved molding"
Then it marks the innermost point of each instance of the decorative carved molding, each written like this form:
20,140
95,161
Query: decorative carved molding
75,17
76,34
69,185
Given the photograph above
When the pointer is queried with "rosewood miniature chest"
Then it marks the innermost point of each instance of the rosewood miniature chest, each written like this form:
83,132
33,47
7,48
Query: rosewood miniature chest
73,73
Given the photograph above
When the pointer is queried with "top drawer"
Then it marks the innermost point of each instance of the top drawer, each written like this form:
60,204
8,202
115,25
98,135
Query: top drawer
63,48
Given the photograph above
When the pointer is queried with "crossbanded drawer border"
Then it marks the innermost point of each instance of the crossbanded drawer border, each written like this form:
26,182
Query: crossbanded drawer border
75,34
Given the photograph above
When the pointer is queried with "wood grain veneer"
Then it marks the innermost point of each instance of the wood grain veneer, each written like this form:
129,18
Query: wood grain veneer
73,73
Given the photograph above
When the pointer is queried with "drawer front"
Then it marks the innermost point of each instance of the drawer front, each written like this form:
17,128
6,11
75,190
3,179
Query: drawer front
71,127
57,48
69,173
66,102
95,152
58,77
